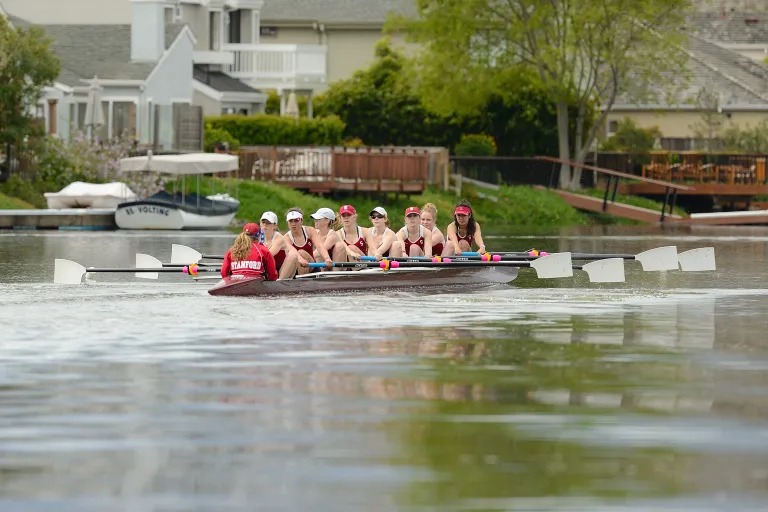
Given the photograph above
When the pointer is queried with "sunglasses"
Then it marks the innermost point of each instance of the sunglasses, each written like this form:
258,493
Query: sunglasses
377,216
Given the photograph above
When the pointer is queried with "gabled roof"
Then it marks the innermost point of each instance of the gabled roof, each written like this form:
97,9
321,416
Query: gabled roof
86,51
731,27
220,81
339,11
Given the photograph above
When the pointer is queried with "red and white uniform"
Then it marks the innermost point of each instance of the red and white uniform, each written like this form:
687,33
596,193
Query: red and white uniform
437,249
280,256
418,243
360,243
467,238
259,263
308,247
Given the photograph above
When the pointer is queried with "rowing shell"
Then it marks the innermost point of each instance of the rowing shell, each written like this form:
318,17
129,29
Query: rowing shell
363,280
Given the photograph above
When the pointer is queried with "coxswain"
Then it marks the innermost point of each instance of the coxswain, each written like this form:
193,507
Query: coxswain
325,224
304,240
380,237
351,234
286,257
413,239
248,257
428,220
464,230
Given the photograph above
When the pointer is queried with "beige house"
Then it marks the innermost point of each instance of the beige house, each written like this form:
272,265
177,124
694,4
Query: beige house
726,52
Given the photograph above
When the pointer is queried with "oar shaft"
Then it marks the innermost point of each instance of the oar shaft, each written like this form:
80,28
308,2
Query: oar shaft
425,263
161,269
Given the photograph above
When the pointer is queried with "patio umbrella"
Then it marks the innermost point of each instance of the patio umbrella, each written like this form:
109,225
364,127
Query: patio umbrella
94,112
292,108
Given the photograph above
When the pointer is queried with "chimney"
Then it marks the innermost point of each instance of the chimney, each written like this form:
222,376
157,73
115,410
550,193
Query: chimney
147,30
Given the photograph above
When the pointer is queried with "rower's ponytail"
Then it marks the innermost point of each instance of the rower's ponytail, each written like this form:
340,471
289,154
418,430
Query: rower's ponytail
241,248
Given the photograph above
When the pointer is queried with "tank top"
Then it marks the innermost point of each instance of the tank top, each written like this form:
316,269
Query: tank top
280,256
437,249
467,238
360,243
307,247
373,234
418,243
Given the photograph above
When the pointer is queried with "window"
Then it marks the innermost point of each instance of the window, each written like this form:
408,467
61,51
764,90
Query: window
268,31
613,127
168,15
123,121
214,30
234,27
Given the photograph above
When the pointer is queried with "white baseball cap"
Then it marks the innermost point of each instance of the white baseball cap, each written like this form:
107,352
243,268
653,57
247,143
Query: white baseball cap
294,215
270,217
324,213
379,210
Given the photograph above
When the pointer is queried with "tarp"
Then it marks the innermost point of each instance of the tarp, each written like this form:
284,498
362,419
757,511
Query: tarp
190,163
82,189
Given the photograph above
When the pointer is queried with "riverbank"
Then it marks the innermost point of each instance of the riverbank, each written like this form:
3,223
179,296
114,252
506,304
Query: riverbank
13,203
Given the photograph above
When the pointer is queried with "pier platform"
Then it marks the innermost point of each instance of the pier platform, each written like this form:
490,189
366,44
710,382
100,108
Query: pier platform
67,219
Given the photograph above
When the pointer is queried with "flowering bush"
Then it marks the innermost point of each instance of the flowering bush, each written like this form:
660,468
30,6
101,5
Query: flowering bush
60,163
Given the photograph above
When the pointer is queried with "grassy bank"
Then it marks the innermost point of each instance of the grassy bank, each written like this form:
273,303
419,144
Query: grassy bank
523,206
13,203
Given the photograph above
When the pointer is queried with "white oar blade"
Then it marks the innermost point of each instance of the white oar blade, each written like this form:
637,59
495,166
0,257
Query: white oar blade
183,255
147,261
610,270
658,259
67,272
697,260
553,265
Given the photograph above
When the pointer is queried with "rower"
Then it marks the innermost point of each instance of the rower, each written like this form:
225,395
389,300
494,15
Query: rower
428,219
380,237
286,257
351,234
248,257
325,220
413,239
304,239
464,230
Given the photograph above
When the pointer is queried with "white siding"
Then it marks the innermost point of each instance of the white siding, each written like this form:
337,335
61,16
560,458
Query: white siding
71,12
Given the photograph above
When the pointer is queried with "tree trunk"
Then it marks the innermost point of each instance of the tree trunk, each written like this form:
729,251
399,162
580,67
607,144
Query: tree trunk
564,146
578,149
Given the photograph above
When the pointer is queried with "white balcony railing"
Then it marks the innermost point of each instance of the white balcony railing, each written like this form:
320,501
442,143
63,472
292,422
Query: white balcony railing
296,66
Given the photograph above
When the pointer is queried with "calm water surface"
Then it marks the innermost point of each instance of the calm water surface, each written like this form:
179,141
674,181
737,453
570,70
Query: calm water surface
122,394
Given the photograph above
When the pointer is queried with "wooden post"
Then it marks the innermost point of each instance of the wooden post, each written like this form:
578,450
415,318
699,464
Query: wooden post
52,115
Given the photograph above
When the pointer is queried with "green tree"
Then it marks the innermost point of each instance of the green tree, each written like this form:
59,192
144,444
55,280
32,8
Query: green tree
631,138
584,52
712,120
27,64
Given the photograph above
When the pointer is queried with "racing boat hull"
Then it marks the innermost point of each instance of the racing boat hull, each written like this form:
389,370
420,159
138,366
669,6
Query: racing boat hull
364,280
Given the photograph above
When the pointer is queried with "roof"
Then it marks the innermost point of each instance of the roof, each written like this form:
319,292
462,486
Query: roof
220,81
744,28
736,79
86,51
339,11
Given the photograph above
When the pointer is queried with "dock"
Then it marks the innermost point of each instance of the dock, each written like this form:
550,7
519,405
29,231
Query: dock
86,219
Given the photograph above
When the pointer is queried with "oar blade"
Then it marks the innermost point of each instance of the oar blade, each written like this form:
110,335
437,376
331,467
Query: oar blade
697,260
553,265
67,272
610,270
658,259
183,255
147,261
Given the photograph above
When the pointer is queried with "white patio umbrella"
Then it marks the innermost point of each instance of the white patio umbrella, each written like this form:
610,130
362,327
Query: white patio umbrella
292,108
94,112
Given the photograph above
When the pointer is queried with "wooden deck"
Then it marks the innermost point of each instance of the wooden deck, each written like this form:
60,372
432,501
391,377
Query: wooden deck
328,170
625,211
705,189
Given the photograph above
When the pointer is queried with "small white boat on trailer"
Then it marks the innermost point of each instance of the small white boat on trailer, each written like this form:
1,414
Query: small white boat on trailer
179,211
80,194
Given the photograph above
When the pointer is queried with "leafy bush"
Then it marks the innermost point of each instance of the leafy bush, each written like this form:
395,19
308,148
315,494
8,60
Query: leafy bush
748,139
631,138
214,136
269,130
476,145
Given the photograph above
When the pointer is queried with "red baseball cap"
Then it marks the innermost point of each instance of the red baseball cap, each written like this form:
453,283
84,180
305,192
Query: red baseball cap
462,210
252,229
347,208
412,209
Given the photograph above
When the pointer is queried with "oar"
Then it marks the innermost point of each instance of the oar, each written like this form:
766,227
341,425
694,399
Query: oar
183,255
71,272
145,260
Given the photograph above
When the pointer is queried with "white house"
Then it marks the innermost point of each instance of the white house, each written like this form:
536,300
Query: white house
228,68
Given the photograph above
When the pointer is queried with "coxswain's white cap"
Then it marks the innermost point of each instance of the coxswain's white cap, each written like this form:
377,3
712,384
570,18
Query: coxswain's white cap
324,213
292,215
270,217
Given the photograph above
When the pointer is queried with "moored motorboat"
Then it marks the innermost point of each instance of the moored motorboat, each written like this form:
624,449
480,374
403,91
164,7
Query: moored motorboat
180,210
368,280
